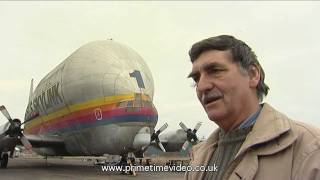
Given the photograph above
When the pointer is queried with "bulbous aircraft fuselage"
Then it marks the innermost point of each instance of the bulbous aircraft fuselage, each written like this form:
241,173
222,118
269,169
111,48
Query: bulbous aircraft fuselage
95,101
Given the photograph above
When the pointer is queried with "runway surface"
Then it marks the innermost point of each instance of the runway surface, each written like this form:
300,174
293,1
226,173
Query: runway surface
66,169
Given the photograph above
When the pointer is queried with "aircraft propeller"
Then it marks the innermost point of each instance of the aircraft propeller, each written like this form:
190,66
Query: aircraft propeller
14,129
155,137
191,134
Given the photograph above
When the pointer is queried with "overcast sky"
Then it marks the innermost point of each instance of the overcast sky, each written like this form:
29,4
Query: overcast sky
37,36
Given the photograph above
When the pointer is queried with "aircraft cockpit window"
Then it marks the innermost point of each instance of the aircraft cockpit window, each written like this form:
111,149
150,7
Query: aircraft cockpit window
130,104
122,104
132,107
137,103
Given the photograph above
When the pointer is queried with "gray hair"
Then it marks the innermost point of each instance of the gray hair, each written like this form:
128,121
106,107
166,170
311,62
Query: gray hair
241,54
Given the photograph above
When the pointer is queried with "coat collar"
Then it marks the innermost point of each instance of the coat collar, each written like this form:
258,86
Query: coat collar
271,133
270,125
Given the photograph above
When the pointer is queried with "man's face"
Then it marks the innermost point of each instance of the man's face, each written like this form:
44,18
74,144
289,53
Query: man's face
223,89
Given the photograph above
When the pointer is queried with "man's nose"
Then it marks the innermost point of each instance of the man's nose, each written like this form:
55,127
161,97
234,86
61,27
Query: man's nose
204,84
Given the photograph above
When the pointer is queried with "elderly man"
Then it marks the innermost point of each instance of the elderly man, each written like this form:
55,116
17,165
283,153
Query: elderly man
253,141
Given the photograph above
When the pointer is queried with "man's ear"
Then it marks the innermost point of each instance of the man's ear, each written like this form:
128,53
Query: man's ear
254,75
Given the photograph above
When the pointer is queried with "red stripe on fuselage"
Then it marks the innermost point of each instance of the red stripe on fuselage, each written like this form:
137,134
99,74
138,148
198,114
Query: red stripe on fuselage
86,116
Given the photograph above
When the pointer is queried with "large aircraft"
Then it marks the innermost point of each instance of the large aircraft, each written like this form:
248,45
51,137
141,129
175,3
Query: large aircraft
97,101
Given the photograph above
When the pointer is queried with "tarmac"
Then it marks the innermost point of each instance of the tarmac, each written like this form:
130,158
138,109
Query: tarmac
69,168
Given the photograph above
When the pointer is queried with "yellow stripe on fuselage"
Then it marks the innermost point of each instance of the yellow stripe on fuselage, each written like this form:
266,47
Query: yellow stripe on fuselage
84,105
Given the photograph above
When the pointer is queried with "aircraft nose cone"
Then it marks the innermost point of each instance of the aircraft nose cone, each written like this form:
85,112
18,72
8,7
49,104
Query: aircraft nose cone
142,138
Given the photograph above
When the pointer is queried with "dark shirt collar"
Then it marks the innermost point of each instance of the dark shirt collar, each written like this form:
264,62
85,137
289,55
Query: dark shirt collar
251,119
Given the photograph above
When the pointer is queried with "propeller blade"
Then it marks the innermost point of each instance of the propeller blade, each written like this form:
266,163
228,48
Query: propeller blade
198,125
6,113
184,127
163,127
185,145
25,142
161,146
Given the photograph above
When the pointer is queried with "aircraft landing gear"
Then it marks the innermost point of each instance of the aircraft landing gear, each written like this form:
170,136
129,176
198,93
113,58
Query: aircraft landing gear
4,161
125,163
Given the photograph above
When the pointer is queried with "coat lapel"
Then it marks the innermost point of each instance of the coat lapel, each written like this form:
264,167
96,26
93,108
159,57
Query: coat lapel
247,168
272,128
269,126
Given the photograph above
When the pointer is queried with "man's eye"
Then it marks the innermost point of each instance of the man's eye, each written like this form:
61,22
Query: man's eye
195,79
215,70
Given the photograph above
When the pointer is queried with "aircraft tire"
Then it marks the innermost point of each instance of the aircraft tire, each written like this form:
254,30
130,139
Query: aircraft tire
4,161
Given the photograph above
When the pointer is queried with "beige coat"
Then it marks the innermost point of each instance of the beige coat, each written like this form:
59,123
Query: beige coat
277,148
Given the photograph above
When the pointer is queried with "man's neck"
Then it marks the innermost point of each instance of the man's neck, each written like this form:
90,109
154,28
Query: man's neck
239,119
